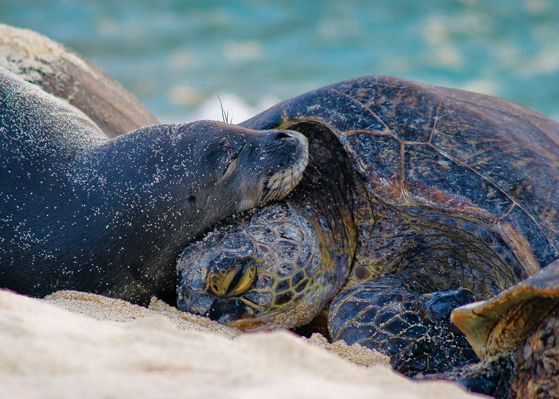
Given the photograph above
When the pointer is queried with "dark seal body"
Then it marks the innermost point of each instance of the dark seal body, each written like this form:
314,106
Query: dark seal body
80,211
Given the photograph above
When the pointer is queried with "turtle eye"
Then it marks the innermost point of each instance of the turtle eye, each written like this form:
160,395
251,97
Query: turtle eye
229,277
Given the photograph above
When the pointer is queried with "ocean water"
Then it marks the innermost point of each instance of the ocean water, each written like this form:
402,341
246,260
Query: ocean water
179,57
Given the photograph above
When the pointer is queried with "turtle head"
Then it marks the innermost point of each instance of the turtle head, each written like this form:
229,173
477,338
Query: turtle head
278,266
267,270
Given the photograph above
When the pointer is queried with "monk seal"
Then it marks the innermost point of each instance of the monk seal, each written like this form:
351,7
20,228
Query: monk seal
81,211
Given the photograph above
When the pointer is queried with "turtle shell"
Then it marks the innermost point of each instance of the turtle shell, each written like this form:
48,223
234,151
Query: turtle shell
472,156
501,323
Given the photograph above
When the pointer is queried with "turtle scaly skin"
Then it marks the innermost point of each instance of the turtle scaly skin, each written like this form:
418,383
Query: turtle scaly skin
453,198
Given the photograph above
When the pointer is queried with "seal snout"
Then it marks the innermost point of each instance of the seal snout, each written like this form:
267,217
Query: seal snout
291,150
281,135
289,135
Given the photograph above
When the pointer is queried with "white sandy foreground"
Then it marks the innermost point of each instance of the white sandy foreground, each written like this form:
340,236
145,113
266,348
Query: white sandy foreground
76,345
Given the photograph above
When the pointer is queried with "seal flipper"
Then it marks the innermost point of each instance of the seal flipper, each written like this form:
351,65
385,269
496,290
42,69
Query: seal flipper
386,315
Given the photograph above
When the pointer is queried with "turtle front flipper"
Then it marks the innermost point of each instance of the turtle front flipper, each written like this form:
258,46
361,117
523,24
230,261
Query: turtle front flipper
414,329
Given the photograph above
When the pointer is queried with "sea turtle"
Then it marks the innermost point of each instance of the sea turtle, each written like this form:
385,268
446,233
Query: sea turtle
418,199
81,211
516,334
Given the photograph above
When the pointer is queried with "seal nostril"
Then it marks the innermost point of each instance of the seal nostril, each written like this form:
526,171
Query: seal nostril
282,135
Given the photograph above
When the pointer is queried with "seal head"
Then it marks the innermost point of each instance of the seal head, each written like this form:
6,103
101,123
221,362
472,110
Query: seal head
250,167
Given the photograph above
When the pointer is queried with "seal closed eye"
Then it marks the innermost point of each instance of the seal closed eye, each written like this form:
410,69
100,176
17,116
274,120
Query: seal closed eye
231,163
81,211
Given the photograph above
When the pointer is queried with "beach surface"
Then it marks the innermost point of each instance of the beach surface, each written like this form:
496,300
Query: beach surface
74,344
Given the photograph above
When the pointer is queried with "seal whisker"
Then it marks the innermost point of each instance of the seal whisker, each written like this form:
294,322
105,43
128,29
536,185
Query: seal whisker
224,114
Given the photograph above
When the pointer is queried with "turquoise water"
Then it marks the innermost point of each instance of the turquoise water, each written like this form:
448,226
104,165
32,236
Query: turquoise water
179,56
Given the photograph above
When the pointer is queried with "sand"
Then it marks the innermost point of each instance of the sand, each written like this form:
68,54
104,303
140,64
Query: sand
82,345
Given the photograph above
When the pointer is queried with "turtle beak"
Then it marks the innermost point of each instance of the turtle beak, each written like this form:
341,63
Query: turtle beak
228,310
222,310
196,304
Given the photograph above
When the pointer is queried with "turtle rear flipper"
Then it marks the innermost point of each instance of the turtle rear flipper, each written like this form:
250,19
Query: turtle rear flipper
529,371
414,329
521,324
502,322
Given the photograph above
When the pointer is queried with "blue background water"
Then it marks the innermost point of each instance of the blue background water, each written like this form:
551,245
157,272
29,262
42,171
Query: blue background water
178,56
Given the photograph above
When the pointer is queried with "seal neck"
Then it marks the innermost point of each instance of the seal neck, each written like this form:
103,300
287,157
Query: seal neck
132,194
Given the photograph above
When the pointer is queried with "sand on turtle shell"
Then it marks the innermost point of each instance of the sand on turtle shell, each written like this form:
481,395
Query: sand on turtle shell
34,55
74,344
62,73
